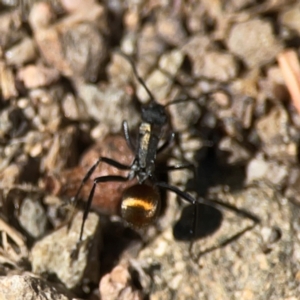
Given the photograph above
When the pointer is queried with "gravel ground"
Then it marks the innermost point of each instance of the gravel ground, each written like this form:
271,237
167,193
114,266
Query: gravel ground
65,90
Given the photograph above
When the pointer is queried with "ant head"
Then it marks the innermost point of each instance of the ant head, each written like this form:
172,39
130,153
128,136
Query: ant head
154,114
140,205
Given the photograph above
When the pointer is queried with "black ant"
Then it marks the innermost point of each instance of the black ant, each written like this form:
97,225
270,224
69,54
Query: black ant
141,202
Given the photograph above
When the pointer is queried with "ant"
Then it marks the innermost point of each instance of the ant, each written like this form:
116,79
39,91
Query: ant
141,202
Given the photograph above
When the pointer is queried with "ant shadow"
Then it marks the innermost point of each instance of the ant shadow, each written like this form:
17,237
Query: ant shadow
212,172
210,220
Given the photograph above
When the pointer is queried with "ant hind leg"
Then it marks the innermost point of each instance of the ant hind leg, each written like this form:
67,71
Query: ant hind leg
102,179
87,176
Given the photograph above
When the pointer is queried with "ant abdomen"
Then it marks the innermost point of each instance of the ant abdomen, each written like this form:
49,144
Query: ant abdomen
140,205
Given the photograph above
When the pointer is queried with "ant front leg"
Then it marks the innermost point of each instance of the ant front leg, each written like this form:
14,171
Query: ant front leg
167,143
127,136
183,166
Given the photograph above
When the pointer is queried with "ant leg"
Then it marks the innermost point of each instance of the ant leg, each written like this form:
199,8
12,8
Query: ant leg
91,195
97,180
177,191
190,199
220,205
106,160
177,167
182,166
215,204
89,173
127,136
196,207
195,225
167,143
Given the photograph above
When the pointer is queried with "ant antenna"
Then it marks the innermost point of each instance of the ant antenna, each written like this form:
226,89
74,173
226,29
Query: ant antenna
136,74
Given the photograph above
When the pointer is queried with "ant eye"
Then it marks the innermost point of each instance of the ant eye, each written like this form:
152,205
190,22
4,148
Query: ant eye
140,205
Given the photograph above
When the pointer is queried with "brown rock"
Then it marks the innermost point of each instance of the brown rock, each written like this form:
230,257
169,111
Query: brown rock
107,195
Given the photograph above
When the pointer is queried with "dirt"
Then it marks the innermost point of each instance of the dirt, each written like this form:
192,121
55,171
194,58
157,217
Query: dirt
65,91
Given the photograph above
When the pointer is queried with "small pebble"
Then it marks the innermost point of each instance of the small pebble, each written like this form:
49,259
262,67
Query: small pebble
254,42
